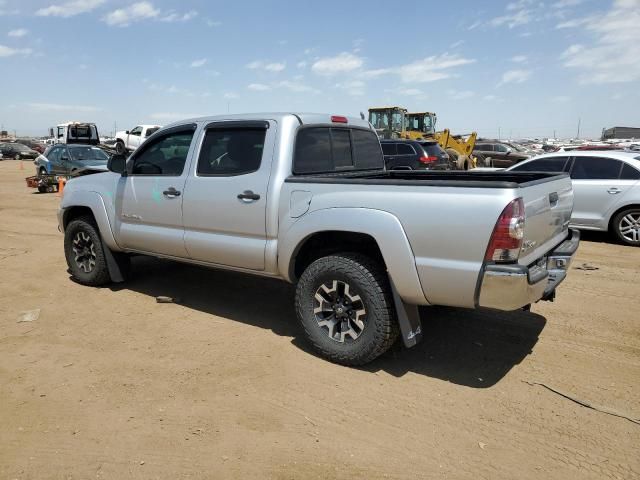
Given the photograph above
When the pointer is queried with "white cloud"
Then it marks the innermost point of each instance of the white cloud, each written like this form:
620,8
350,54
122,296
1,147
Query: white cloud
474,25
258,87
354,88
431,68
57,107
18,32
69,9
302,64
575,22
230,95
514,76
172,116
198,63
344,62
296,86
275,67
566,3
10,52
512,20
490,98
460,95
612,57
213,23
267,66
172,16
519,59
456,44
411,92
123,17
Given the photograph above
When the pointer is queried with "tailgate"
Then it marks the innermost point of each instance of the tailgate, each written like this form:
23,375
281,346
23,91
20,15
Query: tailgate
548,206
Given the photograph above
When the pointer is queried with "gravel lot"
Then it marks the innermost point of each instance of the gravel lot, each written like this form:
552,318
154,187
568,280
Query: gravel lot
107,383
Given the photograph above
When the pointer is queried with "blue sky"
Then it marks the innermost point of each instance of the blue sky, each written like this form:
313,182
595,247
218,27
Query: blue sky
526,67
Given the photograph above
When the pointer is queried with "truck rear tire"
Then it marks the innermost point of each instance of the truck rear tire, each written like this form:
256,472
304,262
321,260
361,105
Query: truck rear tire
84,253
346,309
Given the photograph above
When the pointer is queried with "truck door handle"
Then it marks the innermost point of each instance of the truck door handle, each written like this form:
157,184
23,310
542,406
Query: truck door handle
613,190
171,193
248,195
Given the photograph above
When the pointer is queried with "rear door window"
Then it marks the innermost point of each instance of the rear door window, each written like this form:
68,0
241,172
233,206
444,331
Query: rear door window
595,168
313,151
432,149
404,149
552,164
231,151
629,173
389,148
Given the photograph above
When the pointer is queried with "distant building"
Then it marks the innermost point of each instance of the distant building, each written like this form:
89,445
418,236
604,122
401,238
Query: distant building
620,132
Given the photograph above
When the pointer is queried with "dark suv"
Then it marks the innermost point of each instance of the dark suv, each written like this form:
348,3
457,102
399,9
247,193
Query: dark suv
414,155
492,153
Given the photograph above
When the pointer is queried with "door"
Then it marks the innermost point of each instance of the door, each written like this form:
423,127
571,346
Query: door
500,156
597,189
55,162
134,138
150,212
225,199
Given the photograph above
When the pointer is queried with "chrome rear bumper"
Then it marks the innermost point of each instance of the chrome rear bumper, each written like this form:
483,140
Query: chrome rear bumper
510,287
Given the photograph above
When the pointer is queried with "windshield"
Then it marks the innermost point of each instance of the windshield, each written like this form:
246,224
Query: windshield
428,124
81,154
397,119
379,120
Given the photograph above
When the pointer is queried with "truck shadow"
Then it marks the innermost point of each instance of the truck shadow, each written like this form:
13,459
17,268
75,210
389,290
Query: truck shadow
475,348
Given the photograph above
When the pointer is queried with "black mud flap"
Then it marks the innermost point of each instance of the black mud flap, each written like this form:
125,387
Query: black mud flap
408,319
112,264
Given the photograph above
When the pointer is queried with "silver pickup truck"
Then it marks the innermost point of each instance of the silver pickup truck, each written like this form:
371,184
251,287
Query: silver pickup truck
305,198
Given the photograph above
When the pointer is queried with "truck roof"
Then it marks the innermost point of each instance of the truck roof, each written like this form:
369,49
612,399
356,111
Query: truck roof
304,118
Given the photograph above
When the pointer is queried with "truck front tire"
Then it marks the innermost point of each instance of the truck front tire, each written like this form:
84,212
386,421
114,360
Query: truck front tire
84,253
345,306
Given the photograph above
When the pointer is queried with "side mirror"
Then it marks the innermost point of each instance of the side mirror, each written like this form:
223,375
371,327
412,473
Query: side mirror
509,150
126,132
117,164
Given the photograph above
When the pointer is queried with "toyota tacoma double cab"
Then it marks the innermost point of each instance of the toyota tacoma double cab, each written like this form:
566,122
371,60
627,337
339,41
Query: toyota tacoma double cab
305,198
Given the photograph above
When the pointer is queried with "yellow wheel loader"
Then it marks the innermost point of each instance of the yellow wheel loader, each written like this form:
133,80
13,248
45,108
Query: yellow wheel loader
422,125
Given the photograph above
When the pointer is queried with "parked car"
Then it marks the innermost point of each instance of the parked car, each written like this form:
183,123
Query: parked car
67,159
306,198
32,144
17,151
606,188
414,155
491,153
129,140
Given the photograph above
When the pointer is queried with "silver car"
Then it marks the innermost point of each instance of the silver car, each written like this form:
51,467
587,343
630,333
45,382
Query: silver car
606,187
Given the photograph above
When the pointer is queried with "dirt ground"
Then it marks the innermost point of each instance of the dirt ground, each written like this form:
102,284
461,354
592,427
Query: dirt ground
107,383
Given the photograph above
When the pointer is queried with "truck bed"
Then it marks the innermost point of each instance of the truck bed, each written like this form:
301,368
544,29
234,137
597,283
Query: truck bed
431,178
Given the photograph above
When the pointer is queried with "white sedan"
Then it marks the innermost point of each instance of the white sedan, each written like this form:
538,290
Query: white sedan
606,186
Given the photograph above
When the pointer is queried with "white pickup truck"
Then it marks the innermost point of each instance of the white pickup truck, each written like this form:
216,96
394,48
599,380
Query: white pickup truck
305,198
129,140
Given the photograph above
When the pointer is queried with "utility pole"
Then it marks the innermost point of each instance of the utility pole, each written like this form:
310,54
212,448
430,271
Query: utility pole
498,133
228,106
578,137
554,133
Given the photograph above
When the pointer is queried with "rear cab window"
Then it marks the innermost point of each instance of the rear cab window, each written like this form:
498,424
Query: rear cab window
325,149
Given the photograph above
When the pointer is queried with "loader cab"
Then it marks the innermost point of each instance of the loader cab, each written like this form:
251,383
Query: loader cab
423,123
389,122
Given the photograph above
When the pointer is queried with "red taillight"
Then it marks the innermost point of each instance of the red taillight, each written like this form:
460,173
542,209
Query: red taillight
428,159
339,119
508,233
